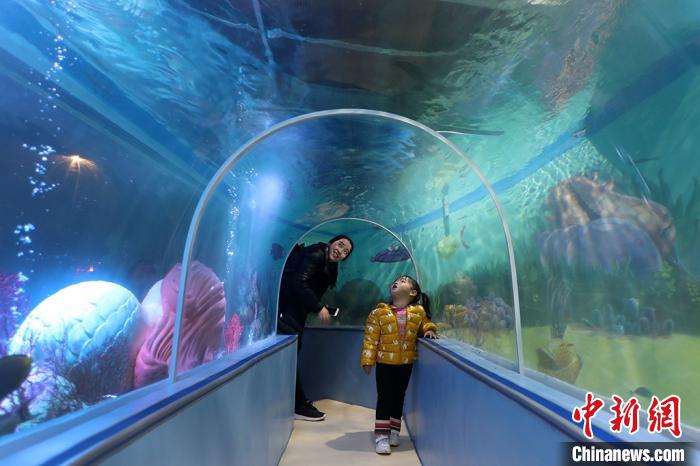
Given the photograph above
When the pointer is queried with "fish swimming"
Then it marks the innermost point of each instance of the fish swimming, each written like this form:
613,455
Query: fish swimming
461,238
396,253
14,370
579,133
643,391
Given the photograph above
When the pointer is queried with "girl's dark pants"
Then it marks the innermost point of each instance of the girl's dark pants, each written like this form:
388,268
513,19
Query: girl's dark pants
392,382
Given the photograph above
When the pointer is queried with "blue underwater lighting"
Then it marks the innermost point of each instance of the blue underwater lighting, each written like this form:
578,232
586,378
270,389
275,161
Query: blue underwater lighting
269,193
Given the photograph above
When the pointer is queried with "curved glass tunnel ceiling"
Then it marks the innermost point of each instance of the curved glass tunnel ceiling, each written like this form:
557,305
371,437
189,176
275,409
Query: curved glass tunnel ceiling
360,164
365,167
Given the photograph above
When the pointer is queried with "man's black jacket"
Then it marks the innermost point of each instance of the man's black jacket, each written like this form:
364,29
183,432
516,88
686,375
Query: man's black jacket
306,277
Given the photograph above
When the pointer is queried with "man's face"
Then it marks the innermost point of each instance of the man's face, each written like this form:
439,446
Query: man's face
339,250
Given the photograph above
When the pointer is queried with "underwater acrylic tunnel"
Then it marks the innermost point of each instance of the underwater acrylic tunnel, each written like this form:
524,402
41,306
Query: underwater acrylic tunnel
340,122
252,205
249,208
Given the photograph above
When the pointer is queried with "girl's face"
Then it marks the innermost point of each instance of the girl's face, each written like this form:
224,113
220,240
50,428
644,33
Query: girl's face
402,290
339,250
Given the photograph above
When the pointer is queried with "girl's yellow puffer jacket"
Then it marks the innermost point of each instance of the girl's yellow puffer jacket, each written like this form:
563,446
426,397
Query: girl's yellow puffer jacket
382,340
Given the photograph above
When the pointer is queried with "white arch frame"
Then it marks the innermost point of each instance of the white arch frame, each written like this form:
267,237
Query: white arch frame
341,219
248,146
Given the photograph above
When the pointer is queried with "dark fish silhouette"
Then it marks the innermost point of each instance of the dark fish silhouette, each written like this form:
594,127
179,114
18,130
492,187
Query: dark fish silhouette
276,251
645,160
643,391
396,253
13,371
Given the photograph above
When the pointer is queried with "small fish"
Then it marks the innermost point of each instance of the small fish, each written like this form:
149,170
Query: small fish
580,133
395,253
461,238
276,251
14,370
643,391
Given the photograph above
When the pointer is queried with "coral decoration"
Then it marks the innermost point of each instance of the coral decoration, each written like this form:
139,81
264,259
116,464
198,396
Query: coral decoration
202,325
579,200
13,306
84,329
232,335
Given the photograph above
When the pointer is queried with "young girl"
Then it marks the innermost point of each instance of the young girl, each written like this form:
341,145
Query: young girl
390,341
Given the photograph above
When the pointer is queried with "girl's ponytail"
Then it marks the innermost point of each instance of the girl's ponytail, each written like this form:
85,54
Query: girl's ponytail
422,297
425,301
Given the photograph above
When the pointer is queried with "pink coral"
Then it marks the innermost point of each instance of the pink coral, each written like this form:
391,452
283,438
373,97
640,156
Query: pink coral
232,335
202,325
13,306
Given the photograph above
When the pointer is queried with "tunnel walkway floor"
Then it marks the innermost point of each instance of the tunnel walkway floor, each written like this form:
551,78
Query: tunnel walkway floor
345,437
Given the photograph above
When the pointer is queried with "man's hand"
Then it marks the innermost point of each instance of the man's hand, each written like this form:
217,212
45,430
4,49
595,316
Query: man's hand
324,315
430,335
367,369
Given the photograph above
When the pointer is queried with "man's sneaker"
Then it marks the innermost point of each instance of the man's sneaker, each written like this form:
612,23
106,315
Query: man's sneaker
381,445
394,438
308,412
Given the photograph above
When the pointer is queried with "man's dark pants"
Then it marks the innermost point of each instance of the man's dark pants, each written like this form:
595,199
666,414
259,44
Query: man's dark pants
285,329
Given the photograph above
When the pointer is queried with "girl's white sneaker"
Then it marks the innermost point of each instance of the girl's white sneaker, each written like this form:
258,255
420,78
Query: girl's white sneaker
394,438
382,446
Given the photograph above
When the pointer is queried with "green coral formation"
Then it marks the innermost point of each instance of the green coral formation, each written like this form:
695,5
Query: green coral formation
693,288
662,285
